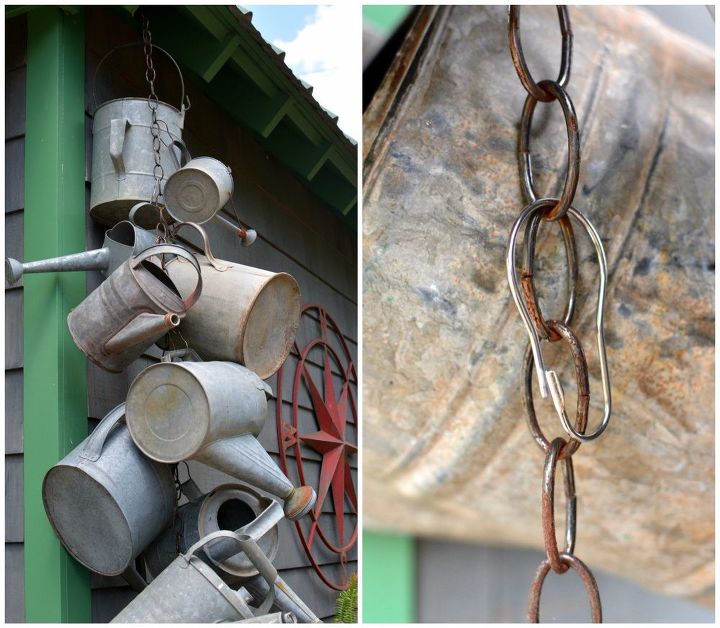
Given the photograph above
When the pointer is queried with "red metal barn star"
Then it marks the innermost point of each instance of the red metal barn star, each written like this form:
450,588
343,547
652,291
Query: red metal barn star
329,396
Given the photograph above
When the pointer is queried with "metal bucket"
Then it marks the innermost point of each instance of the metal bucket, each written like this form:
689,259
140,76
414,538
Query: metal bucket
189,591
245,315
131,309
210,412
106,501
227,507
121,242
198,190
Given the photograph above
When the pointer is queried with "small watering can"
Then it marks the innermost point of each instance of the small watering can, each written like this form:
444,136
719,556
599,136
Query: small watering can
131,309
210,412
106,501
121,242
189,591
123,160
228,507
245,315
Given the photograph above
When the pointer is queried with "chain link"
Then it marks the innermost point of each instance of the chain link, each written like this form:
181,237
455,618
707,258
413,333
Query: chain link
547,210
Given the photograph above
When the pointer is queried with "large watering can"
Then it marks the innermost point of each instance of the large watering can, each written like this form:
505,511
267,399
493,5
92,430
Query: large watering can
123,160
245,315
106,501
131,309
210,412
227,507
189,591
121,242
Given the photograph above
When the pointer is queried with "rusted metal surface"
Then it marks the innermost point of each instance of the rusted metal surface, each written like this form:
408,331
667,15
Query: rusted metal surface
331,440
585,575
445,446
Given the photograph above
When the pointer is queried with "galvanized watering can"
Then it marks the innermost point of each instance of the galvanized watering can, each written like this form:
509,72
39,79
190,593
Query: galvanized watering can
286,600
245,315
106,501
210,412
227,507
121,242
131,309
189,591
123,158
272,618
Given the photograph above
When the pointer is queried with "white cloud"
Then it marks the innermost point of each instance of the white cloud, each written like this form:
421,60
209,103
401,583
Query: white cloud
326,53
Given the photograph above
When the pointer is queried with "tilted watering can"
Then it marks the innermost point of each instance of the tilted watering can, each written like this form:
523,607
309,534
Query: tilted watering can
189,591
106,501
123,160
227,507
210,412
132,309
245,315
121,242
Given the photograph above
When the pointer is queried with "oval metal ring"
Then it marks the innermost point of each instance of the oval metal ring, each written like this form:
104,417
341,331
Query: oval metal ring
583,394
528,284
547,379
585,575
573,138
548,506
518,57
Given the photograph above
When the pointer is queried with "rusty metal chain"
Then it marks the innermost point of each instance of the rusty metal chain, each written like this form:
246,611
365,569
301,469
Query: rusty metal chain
540,329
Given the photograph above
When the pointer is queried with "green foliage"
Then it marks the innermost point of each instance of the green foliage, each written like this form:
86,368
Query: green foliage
346,605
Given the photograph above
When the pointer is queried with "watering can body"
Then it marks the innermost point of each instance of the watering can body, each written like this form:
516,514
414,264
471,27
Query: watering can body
210,412
229,507
123,159
130,310
121,242
245,315
106,501
198,190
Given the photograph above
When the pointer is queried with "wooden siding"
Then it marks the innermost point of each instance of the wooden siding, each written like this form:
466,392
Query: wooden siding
15,71
297,234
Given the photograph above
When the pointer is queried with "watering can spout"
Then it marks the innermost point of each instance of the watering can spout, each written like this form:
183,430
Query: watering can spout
141,328
244,458
87,260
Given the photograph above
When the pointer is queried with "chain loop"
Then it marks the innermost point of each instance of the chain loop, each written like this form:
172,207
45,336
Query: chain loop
538,91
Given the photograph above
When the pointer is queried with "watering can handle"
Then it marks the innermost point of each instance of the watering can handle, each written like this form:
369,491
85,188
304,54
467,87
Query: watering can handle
253,552
173,249
206,244
94,444
183,99
185,155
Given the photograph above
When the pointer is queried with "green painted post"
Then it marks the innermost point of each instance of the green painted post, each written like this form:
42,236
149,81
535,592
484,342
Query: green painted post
388,579
57,589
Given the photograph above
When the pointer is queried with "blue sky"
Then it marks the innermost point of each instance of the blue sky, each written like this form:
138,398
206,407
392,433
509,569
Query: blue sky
280,21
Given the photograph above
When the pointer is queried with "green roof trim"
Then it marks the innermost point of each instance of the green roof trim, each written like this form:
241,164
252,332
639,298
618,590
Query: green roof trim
248,78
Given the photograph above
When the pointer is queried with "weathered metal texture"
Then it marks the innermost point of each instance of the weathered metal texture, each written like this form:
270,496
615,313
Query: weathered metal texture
245,315
447,450
123,157
272,618
121,242
210,412
131,309
198,190
332,413
286,600
227,507
189,591
105,500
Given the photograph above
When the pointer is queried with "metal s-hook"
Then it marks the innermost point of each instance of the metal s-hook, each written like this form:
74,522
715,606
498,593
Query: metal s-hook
547,379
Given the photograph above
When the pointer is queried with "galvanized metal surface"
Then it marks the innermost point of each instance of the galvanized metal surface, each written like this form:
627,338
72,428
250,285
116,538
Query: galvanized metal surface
444,441
210,412
105,500
121,242
227,507
123,157
131,309
198,190
286,600
245,315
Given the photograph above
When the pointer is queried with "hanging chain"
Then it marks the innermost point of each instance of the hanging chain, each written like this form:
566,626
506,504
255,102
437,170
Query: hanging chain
560,210
153,103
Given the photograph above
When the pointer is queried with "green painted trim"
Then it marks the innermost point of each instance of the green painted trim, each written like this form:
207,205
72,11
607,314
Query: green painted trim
385,17
388,578
57,588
